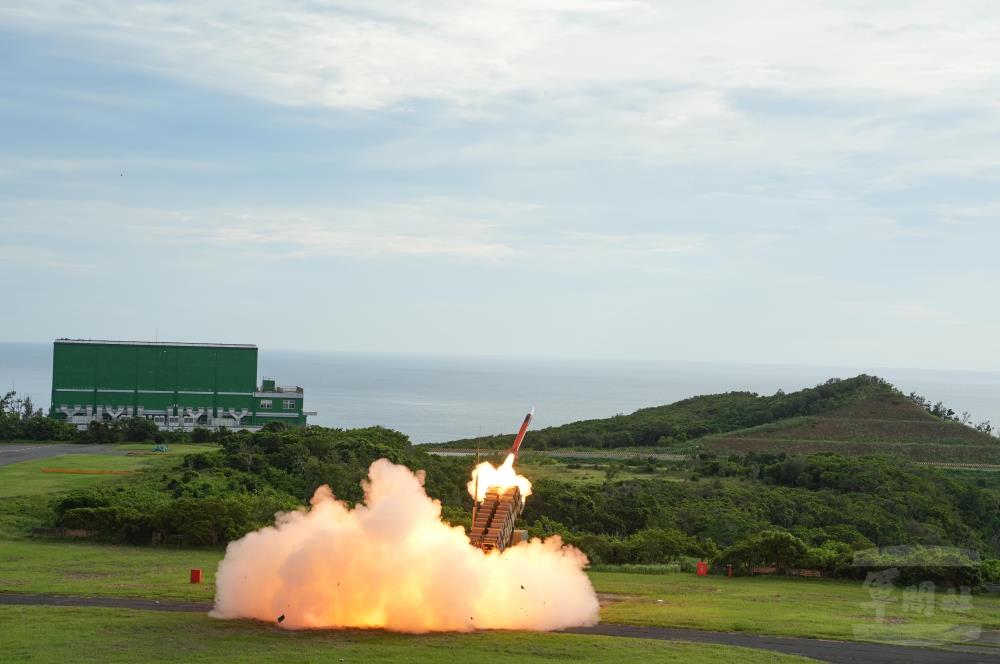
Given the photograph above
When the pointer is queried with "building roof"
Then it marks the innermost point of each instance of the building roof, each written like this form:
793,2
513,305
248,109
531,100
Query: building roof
150,343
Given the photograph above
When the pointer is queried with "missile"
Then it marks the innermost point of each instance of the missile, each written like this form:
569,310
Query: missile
520,434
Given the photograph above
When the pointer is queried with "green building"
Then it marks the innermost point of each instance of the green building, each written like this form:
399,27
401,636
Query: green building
177,385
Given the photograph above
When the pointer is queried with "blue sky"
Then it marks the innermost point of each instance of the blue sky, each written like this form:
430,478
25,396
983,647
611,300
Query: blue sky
791,182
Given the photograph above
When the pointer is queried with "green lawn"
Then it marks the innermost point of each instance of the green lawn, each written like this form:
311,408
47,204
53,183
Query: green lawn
61,634
27,479
816,608
26,492
791,607
80,568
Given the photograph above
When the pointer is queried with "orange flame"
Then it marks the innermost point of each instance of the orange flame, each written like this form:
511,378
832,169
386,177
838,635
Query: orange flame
501,477
392,563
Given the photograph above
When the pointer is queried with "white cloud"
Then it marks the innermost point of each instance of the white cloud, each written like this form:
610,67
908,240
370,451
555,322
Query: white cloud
918,311
487,232
379,53
24,256
564,82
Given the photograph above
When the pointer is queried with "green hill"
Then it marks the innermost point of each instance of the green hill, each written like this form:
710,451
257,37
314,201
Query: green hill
860,415
880,422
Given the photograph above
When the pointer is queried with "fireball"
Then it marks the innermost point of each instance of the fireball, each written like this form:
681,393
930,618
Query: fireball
486,476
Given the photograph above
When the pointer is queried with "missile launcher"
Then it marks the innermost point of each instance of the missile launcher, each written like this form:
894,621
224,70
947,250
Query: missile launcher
493,521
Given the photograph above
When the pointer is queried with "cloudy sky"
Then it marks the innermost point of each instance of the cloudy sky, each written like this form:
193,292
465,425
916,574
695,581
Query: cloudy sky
778,181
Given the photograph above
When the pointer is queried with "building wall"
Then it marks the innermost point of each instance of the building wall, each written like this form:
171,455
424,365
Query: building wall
164,379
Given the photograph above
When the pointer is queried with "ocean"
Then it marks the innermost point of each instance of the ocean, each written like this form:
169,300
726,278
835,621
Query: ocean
433,398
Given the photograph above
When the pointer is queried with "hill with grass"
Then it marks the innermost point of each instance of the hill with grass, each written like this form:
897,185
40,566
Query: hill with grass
855,416
881,421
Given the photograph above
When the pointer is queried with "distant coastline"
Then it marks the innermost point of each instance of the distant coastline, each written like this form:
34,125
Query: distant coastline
434,399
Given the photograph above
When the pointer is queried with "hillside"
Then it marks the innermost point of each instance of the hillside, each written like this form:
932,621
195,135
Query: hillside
860,415
881,422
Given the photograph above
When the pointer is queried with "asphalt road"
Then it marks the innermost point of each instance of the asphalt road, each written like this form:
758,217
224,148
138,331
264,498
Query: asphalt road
836,652
16,452
564,454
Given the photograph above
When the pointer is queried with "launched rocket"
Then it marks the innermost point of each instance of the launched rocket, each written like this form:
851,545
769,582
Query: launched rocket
520,434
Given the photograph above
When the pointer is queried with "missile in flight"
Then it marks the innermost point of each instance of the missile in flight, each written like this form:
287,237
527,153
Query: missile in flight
520,434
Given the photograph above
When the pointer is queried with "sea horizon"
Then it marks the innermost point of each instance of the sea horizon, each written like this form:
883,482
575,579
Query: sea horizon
437,397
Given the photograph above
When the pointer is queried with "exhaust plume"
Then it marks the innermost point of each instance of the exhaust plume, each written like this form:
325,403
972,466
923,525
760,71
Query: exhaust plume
486,476
390,562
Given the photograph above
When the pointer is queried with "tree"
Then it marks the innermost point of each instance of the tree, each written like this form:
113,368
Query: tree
101,433
771,548
658,545
137,429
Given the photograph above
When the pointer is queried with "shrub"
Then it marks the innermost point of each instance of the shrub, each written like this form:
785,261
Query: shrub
137,429
990,570
771,548
101,433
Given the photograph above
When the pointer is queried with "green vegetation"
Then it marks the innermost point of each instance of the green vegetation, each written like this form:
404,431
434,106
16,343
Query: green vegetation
83,568
28,478
823,507
860,416
794,607
20,420
218,492
829,506
748,510
678,423
61,634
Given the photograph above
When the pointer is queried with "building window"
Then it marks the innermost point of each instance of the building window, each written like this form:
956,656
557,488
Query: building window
265,404
289,404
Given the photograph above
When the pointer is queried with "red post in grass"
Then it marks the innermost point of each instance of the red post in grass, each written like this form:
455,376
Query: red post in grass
196,576
702,568
729,570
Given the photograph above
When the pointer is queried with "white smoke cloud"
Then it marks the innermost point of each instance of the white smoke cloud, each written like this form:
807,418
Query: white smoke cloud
390,562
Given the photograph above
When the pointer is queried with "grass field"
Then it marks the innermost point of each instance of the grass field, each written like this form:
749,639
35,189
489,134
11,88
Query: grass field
816,608
793,607
80,568
26,491
594,473
47,634
27,479
766,605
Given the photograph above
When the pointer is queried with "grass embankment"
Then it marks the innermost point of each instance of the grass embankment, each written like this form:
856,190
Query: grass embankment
42,634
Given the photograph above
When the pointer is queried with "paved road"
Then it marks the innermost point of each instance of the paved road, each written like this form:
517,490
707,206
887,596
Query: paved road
568,454
836,652
13,453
